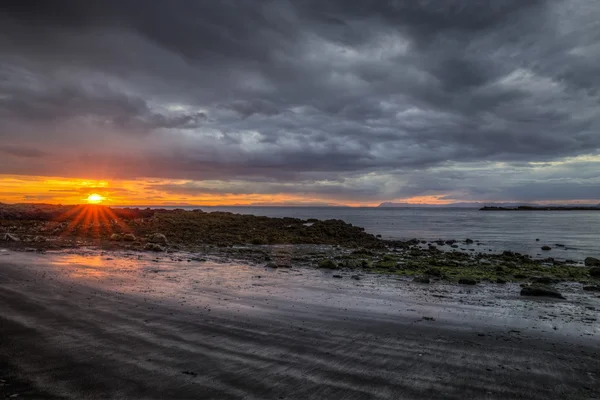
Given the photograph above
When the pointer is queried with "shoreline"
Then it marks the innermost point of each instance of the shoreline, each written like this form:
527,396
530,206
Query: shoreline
281,242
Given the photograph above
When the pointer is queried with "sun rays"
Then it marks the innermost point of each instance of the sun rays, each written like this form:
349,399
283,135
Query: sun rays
93,221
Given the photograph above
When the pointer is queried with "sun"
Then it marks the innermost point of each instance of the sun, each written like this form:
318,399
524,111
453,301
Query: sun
95,198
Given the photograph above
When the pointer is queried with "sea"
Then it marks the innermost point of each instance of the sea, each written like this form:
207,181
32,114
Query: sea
572,235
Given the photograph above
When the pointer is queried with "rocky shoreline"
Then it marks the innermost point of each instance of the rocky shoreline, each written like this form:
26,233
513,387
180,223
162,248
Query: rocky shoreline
281,243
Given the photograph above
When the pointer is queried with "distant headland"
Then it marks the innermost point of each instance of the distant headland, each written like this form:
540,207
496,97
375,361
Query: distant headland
542,208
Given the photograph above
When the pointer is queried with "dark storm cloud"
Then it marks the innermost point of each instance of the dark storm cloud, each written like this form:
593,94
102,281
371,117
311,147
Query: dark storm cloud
405,93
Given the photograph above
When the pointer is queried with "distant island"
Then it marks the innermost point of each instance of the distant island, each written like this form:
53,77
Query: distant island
542,208
507,206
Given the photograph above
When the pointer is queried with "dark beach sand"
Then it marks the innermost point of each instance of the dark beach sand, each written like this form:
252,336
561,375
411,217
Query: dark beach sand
116,325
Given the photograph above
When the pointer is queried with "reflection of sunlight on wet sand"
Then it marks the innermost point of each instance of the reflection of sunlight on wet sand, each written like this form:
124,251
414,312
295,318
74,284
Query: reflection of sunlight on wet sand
95,266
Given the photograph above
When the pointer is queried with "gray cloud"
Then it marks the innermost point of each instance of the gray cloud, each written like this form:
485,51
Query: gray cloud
283,96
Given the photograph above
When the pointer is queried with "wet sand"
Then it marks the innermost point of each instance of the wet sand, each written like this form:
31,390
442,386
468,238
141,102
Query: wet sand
91,325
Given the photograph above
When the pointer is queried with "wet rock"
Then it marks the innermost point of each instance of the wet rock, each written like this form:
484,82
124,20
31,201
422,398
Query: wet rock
454,246
537,240
592,262
154,247
10,237
329,264
158,238
467,281
546,248
594,272
541,291
421,279
115,237
500,281
337,276
129,237
355,277
450,242
559,245
469,241
592,288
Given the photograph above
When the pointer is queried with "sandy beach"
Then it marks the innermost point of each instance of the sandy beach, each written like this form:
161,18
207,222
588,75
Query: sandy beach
86,324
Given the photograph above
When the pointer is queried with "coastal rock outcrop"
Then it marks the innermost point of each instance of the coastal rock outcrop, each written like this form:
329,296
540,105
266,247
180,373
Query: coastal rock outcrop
592,262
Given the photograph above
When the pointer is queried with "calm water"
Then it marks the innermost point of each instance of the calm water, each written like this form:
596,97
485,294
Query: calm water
578,231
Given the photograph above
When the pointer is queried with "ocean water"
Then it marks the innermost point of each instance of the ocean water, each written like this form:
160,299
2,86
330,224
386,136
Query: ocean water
577,231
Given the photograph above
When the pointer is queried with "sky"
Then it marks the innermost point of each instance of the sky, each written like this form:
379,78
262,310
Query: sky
287,102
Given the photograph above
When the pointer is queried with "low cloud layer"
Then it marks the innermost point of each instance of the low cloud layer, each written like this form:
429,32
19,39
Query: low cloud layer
344,101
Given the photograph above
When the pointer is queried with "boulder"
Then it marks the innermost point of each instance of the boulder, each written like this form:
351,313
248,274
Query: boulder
9,237
355,277
129,237
592,262
541,291
594,272
154,247
115,237
469,241
158,238
546,248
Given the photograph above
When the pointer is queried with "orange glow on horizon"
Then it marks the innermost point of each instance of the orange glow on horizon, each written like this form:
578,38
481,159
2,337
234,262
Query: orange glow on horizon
152,193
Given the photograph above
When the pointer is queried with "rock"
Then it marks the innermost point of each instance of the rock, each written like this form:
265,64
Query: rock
537,240
154,247
115,237
329,264
541,291
158,238
421,279
337,276
355,277
469,241
454,246
129,237
559,245
594,272
450,242
467,281
500,281
9,237
592,262
546,248
592,288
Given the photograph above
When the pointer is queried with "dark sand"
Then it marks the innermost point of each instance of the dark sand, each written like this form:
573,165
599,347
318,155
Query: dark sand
131,326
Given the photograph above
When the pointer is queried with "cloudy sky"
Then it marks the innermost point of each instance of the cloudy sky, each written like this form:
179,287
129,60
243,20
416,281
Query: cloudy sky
300,101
